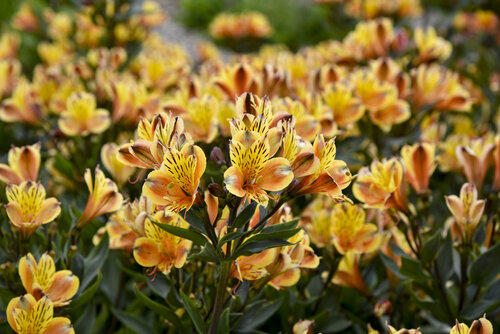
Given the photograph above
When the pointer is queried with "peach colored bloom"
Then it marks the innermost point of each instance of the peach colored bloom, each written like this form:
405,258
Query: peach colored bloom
419,163
24,163
81,116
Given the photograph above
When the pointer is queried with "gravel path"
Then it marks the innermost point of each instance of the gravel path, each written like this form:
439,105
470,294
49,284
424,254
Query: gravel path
173,32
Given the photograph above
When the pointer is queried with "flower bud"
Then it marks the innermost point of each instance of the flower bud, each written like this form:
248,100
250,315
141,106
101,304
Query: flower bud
217,156
382,307
217,190
481,326
459,328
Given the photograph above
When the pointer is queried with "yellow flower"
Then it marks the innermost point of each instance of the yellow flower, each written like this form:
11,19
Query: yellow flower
303,327
175,184
22,106
350,230
248,24
480,326
25,19
379,185
10,72
419,163
160,249
56,53
316,220
24,163
330,177
371,39
348,273
253,171
430,46
475,159
9,44
436,87
393,330
103,198
253,267
28,208
236,80
346,107
466,209
28,316
153,137
41,279
81,116
447,159
117,169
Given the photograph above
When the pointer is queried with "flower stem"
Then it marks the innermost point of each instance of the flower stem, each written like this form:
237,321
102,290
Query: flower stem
220,296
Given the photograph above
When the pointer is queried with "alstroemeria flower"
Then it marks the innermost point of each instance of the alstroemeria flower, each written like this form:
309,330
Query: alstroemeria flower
41,279
393,330
26,315
24,163
286,268
148,150
103,197
23,106
348,273
347,108
236,80
28,208
10,72
81,116
480,326
419,163
466,209
430,46
475,159
350,230
379,185
175,184
316,220
253,267
159,249
330,177
109,157
253,171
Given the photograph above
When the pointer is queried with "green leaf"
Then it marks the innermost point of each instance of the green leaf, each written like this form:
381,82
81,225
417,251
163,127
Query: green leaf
229,237
159,309
444,259
223,326
284,234
193,313
207,253
391,265
430,248
485,269
133,321
257,314
281,227
249,248
86,295
245,215
196,237
94,261
412,268
193,220
85,323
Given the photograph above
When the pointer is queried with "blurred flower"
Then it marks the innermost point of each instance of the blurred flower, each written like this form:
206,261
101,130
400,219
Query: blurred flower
109,157
347,108
160,249
41,279
26,315
9,43
393,330
349,275
248,24
316,220
466,209
371,38
447,159
10,72
379,186
28,208
475,159
24,163
236,80
477,22
151,14
175,184
22,106
25,19
81,116
419,164
430,46
350,230
103,197
303,327
57,53
60,24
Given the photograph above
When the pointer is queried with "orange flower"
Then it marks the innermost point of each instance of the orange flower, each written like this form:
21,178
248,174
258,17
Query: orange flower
372,38
28,208
27,315
154,136
475,159
41,279
81,116
496,159
430,46
248,24
330,177
103,198
10,72
25,19
316,220
160,249
236,80
117,169
350,230
175,184
349,275
466,209
253,267
347,108
24,163
379,185
22,106
419,163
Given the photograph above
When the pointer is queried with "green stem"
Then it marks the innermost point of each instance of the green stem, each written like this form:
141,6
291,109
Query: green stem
220,296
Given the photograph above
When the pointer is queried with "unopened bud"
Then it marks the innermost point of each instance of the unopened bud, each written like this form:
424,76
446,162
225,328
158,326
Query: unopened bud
217,190
217,156
481,326
382,307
